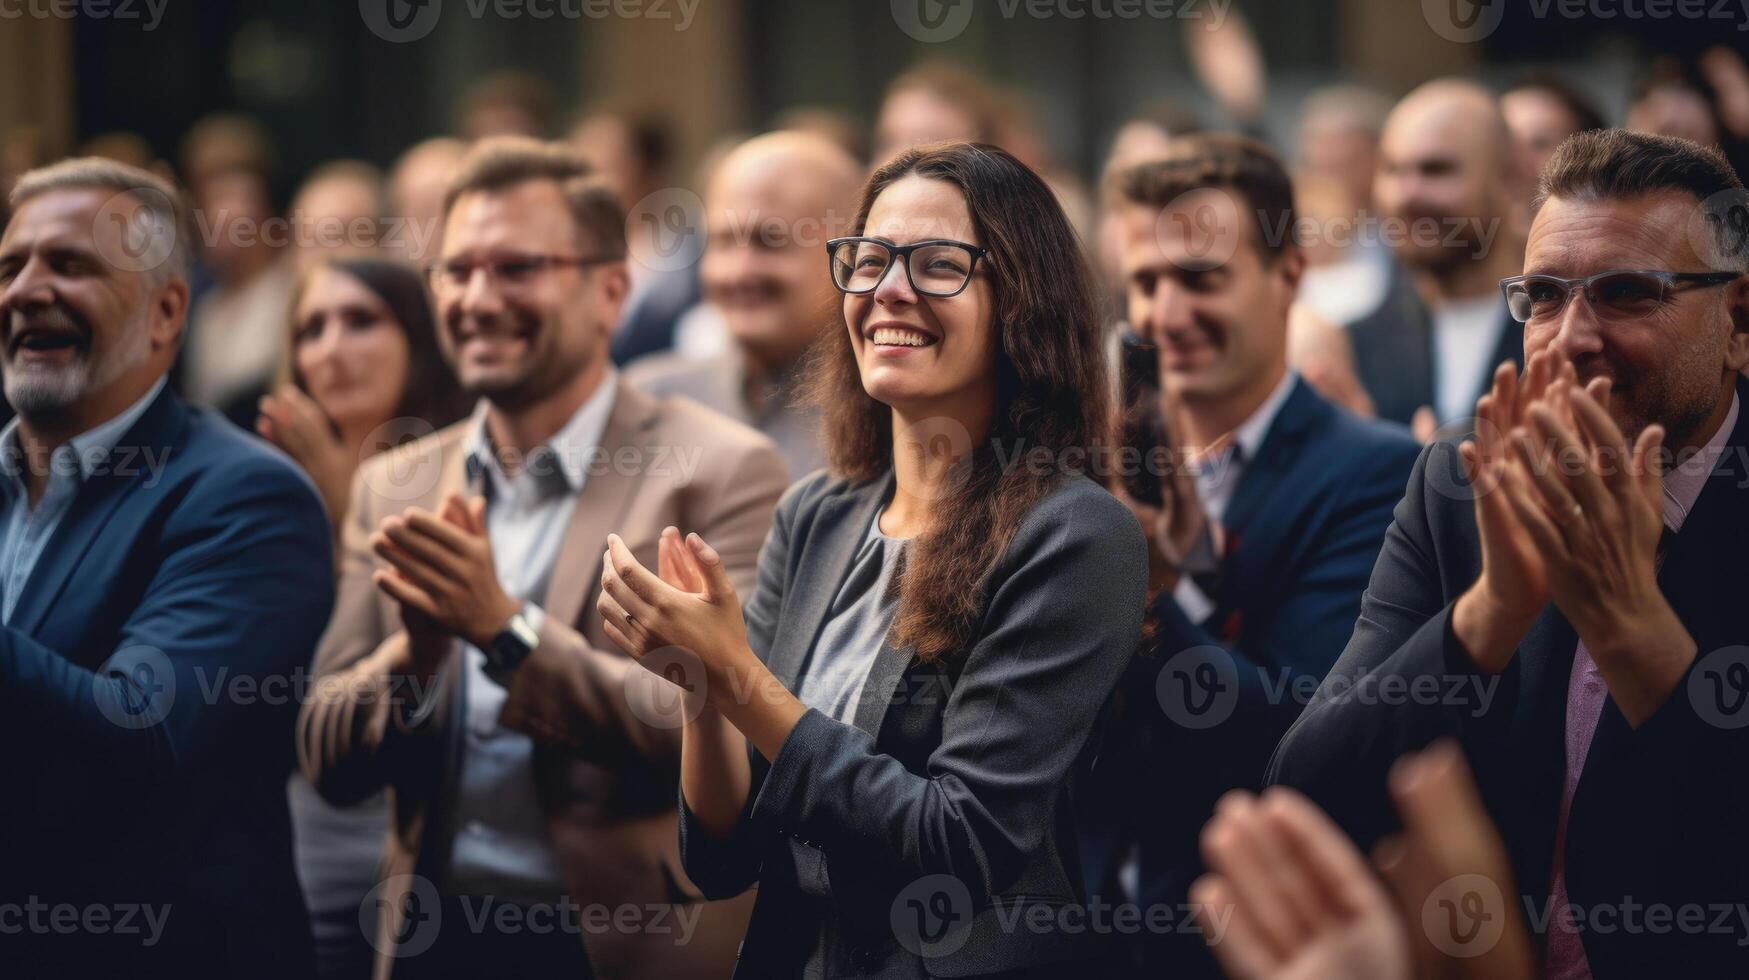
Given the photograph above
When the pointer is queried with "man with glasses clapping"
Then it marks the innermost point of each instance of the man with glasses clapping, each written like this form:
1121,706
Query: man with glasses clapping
1578,570
533,764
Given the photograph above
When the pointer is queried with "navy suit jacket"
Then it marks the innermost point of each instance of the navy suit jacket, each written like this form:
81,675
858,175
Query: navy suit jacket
148,688
1393,351
1201,715
1659,812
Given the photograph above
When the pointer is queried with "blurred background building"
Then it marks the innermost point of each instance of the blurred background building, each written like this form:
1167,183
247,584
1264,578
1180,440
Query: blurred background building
326,84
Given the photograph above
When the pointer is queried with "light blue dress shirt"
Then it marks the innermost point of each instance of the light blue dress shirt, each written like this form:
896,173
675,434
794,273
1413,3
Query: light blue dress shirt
501,844
28,529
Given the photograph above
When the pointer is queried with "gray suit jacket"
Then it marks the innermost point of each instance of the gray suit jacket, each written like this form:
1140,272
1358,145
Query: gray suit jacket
936,834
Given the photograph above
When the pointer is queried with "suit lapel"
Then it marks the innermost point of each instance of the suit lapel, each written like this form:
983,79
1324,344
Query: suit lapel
1411,363
839,527
94,504
1300,412
601,509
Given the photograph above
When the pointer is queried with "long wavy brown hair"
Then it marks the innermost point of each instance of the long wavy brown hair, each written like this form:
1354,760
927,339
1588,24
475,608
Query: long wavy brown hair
1050,383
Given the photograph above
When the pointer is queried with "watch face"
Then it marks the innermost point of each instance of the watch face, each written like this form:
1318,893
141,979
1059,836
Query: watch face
513,643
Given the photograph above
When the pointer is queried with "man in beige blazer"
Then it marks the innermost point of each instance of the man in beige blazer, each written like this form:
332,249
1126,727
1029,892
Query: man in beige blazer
532,766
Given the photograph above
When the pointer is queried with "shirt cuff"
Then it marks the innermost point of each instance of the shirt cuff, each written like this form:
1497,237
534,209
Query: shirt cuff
1197,606
536,616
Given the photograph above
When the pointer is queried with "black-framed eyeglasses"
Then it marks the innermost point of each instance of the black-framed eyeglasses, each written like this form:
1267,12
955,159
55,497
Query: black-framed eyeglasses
939,267
1618,295
508,271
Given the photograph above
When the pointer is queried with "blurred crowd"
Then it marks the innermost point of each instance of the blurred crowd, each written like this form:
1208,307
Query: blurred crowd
311,324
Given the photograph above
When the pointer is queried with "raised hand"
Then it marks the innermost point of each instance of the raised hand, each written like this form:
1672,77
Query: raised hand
292,421
1492,616
1289,897
1451,874
441,566
1592,505
690,609
691,604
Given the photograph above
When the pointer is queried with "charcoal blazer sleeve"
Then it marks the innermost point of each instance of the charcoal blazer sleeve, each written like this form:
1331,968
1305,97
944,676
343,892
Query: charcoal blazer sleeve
726,868
1063,618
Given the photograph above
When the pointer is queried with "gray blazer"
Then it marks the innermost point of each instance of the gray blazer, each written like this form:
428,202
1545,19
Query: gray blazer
936,836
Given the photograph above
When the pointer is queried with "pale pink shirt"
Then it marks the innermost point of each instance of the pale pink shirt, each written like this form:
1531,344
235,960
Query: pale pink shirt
1585,696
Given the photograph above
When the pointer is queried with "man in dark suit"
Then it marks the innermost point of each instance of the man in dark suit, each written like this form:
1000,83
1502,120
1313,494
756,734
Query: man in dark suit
1445,192
1577,616
165,578
1263,538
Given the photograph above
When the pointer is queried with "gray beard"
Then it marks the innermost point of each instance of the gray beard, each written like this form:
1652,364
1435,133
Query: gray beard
51,391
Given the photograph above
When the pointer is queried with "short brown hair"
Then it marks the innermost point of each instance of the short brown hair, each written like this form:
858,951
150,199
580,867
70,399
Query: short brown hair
502,162
1222,161
1616,163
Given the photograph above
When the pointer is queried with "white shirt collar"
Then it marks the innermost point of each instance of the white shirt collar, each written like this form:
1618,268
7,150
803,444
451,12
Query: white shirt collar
89,448
572,447
1251,432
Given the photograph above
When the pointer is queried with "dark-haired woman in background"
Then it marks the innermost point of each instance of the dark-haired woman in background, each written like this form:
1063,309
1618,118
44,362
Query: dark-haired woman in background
365,374
363,355
885,744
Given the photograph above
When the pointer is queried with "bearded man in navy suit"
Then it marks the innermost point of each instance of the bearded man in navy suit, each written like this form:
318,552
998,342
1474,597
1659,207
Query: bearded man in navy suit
163,580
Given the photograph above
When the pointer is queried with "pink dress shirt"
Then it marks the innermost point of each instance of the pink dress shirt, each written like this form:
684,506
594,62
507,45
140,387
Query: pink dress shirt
1585,696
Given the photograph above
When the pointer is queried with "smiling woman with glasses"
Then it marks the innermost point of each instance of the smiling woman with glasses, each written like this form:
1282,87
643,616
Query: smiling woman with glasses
884,740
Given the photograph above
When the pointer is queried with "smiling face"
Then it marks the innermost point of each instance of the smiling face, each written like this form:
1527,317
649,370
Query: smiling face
1673,367
519,342
1443,168
770,212
921,354
80,338
1221,330
351,355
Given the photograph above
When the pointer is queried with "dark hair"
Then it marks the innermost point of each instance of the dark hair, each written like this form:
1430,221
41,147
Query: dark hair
1616,163
1220,161
432,392
1584,114
1050,384
503,162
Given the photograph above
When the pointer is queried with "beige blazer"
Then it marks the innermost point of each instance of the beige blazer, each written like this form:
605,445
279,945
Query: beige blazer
607,774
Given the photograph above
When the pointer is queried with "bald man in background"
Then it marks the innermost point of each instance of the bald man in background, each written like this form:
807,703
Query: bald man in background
1446,188
770,206
417,183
